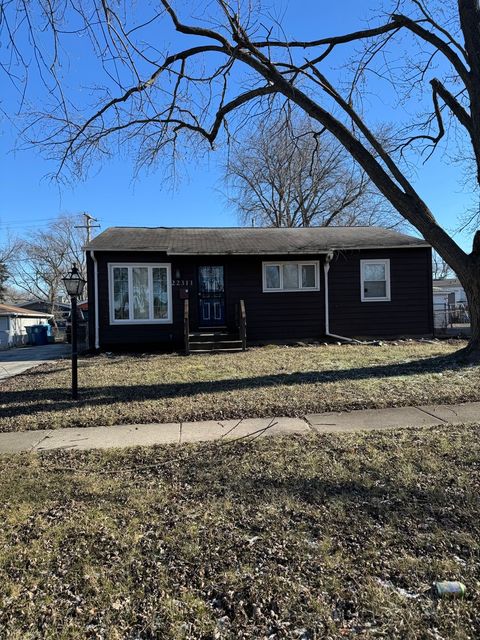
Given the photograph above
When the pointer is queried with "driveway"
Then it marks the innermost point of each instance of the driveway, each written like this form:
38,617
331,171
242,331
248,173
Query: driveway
18,360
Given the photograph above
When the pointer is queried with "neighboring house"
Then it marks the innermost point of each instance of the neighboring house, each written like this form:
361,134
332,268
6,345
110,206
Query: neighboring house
448,291
61,308
82,313
296,284
83,307
13,321
450,304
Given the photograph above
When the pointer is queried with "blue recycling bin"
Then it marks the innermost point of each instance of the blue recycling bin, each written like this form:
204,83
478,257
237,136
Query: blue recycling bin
38,334
50,334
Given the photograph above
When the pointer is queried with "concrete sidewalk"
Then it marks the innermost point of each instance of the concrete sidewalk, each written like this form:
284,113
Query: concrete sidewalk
150,434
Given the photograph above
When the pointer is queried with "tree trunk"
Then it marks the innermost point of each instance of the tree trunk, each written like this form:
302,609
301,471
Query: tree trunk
52,302
471,284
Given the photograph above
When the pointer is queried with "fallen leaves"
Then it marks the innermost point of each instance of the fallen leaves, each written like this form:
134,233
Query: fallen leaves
319,537
261,382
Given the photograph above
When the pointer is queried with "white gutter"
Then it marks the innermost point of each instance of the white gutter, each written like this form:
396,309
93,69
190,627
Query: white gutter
95,299
326,268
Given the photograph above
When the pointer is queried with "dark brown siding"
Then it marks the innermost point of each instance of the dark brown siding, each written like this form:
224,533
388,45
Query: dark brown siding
279,316
274,316
408,313
270,316
139,335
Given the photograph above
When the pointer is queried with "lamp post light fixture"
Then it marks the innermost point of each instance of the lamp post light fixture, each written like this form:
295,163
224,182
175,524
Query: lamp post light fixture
74,284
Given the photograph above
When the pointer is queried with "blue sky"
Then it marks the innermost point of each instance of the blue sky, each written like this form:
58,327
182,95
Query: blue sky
111,194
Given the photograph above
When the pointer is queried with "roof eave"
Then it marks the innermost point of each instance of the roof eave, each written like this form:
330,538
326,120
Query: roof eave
418,245
8,314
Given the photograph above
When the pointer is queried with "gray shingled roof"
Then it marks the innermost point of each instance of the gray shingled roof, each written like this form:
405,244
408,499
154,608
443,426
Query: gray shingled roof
248,240
447,283
12,310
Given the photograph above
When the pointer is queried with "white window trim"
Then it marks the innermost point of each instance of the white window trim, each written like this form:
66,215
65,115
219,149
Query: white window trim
280,264
130,266
386,263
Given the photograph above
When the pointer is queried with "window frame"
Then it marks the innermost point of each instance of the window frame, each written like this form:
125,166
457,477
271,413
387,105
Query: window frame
130,266
386,263
299,263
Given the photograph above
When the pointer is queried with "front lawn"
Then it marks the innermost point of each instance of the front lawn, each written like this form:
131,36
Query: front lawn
307,538
267,381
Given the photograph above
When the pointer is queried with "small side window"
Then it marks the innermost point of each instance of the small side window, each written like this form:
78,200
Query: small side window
375,280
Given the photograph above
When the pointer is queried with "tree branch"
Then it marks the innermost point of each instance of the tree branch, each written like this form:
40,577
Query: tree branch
452,103
331,42
437,42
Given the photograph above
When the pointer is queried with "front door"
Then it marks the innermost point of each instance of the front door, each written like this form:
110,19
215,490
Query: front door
211,295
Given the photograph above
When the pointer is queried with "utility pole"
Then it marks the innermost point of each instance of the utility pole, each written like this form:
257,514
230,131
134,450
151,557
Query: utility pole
88,225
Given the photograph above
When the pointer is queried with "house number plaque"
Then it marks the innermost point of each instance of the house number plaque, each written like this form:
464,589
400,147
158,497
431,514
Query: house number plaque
182,283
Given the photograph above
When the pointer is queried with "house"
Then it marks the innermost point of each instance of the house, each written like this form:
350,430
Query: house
83,307
149,287
61,308
450,305
61,311
448,291
13,323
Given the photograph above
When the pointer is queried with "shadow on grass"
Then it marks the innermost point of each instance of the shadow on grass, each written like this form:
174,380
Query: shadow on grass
21,402
212,472
270,523
376,489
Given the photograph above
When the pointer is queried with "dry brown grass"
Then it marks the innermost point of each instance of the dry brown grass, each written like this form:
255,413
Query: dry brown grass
307,538
265,381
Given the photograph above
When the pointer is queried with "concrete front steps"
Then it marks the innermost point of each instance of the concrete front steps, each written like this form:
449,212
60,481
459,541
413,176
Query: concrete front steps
214,342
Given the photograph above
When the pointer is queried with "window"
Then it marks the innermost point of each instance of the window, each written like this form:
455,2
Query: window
120,293
290,276
375,280
272,276
140,293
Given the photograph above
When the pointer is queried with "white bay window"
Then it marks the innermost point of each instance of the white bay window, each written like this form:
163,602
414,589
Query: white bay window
290,276
140,293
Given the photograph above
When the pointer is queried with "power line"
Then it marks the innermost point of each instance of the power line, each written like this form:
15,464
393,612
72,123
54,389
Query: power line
26,222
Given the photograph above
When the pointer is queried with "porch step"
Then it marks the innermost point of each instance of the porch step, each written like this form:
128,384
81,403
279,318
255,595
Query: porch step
207,342
212,336
216,345
216,350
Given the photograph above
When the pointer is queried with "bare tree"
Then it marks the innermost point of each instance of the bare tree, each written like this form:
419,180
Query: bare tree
8,251
170,100
282,175
44,257
14,296
440,268
3,281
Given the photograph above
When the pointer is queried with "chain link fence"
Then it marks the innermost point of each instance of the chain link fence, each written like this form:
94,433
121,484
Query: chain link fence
451,319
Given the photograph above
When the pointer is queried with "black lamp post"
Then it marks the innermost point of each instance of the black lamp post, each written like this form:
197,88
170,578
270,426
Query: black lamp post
74,284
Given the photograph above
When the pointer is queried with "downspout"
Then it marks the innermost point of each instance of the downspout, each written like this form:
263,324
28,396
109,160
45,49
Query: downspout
326,268
95,299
